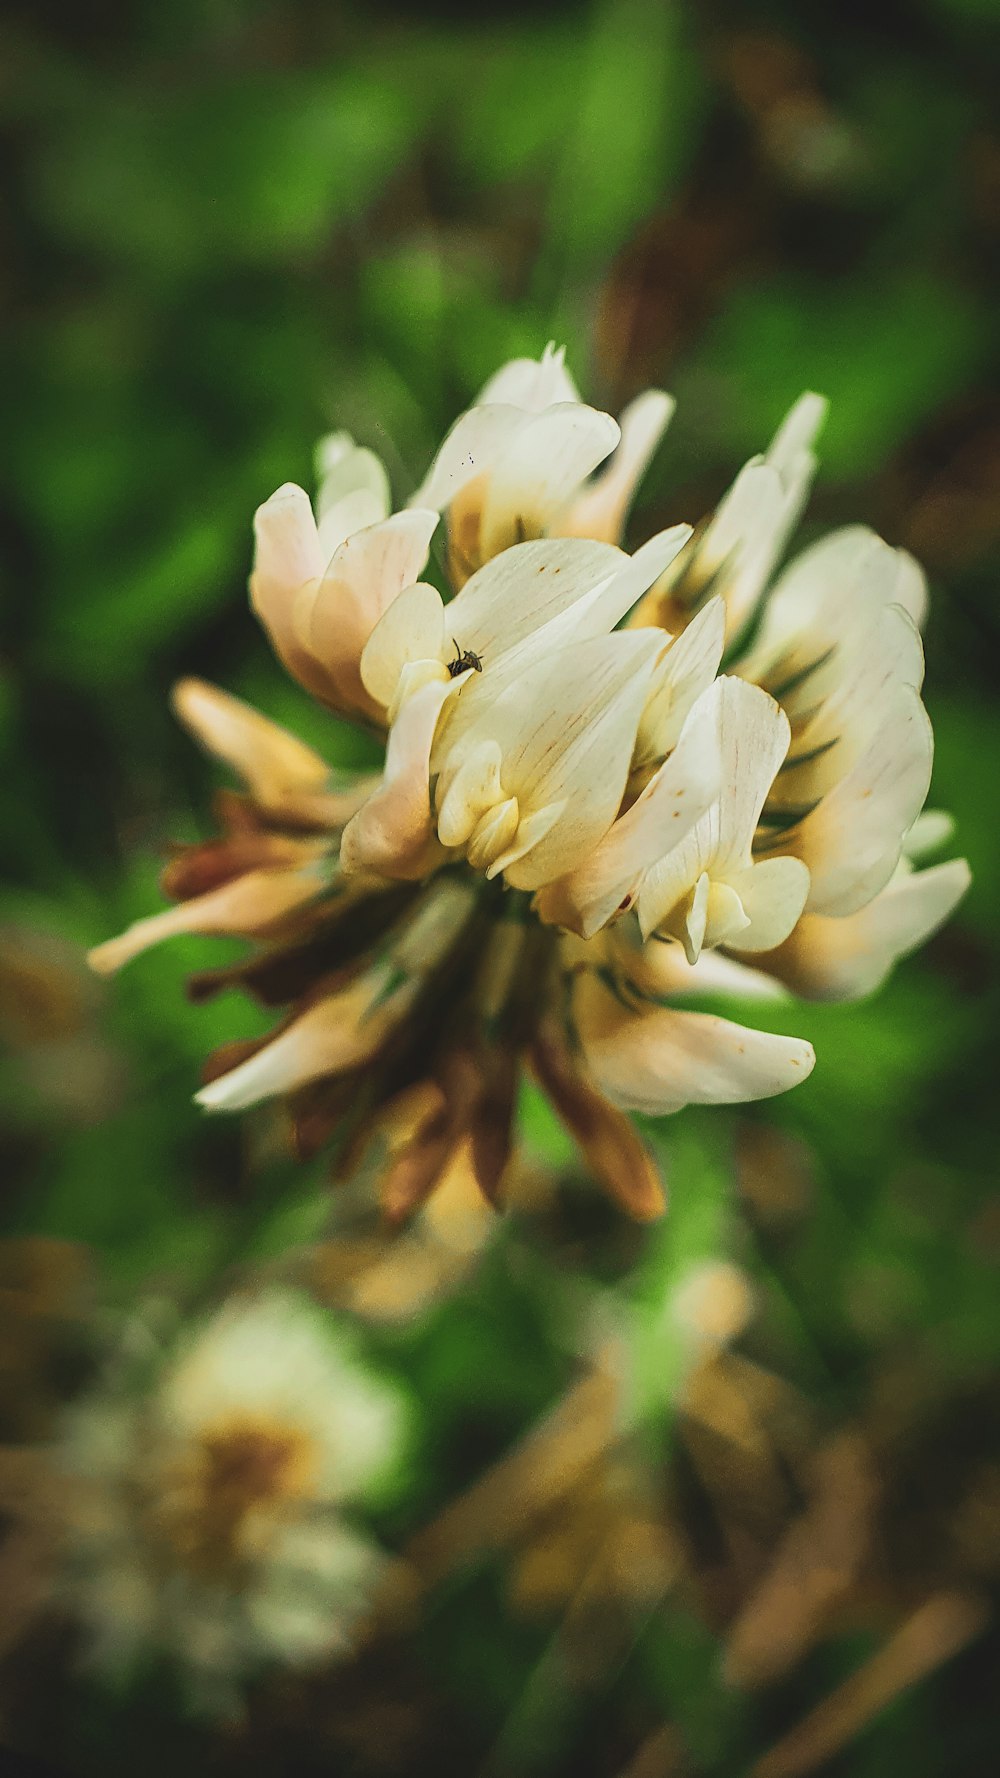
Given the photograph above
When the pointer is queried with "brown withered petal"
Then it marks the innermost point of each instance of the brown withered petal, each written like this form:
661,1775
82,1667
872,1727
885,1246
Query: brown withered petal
607,1138
492,1120
412,1176
194,870
330,937
448,1105
230,1055
236,812
319,1109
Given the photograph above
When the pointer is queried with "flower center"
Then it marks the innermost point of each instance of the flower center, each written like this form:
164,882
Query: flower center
219,1501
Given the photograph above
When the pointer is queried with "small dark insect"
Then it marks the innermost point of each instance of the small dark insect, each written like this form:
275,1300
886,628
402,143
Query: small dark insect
464,658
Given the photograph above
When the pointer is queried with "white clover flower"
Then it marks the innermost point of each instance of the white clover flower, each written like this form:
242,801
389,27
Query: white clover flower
580,822
210,1521
520,463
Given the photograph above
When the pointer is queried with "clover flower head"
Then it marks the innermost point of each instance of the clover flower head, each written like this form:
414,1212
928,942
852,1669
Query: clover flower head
211,1503
581,820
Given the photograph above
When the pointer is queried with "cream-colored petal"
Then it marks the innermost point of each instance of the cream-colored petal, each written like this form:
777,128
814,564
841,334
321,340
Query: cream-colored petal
681,675
392,834
797,433
657,1060
468,792
377,563
288,551
726,919
531,383
566,731
757,524
337,1033
249,904
351,480
690,920
910,589
823,605
287,556
417,674
844,959
601,509
489,845
411,629
753,737
855,694
355,512
528,835
535,475
744,539
271,761
932,829
853,840
512,625
470,448
335,617
597,610
611,603
513,596
661,969
772,895
672,876
679,794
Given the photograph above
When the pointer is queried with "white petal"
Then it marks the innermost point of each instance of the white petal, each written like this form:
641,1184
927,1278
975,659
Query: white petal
828,596
534,477
336,616
692,924
616,599
748,533
532,383
600,510
412,629
467,793
287,556
797,433
511,624
658,1060
342,466
910,590
754,736
271,761
853,840
489,847
355,512
930,831
529,833
661,969
844,959
773,895
682,674
470,448
288,551
672,876
520,590
673,800
392,834
346,471
566,730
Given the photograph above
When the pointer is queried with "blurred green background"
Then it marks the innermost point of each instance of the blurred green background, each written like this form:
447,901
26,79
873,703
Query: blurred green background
230,227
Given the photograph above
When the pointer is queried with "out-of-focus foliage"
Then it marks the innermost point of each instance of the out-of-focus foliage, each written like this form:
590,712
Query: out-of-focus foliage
226,229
